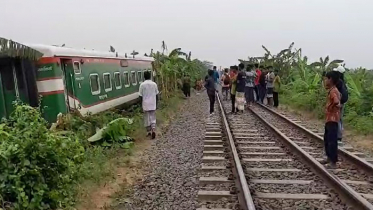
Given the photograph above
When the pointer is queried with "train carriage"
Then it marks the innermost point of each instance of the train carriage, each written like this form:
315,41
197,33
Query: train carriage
85,80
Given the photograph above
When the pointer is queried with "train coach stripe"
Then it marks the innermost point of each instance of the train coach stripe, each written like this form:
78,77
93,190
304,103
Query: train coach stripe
49,78
52,93
51,85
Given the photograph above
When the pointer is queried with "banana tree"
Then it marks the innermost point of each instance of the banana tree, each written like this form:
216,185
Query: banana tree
324,65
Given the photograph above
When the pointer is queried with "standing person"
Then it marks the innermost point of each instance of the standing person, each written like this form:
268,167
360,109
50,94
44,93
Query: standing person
186,86
270,78
148,92
249,87
258,73
262,86
210,88
342,88
241,82
333,106
216,77
276,89
226,80
233,87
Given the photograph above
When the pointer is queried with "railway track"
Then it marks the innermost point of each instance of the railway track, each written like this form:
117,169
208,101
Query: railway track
249,164
353,170
222,183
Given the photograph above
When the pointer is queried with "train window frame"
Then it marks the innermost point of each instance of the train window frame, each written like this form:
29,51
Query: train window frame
111,83
79,68
134,83
120,80
140,76
128,79
98,82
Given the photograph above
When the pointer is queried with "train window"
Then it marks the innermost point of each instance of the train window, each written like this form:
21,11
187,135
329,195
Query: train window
133,78
139,76
95,84
126,79
117,80
107,82
77,69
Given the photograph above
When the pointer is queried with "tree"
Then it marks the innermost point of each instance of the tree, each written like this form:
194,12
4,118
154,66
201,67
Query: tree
324,65
172,67
134,53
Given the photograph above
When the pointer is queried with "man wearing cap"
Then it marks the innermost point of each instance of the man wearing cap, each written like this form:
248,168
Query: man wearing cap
342,88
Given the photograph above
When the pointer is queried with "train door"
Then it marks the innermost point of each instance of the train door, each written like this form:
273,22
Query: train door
9,92
21,85
68,72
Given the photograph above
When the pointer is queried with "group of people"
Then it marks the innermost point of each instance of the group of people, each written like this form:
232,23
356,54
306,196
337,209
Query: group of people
255,83
244,86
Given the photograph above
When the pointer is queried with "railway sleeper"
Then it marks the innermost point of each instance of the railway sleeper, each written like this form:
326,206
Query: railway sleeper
291,196
214,195
213,142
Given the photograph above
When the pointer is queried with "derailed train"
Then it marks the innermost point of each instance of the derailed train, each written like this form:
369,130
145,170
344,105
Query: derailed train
67,79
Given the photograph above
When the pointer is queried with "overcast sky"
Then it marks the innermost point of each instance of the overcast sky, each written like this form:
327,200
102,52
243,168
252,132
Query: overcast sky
220,31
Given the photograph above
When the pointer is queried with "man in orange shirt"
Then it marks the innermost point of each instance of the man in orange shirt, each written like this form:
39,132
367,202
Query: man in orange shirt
332,118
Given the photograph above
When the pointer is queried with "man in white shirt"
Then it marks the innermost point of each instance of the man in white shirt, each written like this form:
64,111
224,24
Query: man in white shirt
148,92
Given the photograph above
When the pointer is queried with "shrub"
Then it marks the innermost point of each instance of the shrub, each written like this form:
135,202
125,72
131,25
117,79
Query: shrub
38,167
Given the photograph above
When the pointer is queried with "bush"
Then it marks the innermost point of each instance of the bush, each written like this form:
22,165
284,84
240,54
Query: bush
38,167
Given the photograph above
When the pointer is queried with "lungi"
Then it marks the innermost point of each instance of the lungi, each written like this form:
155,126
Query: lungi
240,101
149,120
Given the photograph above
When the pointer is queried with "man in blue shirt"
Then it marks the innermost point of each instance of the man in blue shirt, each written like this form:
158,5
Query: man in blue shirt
216,78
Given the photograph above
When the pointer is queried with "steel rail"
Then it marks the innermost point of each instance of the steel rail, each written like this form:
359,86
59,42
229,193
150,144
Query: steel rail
249,203
367,167
345,191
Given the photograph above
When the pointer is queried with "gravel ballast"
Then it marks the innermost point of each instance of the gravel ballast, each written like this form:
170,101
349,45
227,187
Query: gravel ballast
172,168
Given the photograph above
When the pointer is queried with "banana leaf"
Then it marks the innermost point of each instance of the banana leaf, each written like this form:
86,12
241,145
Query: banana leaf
100,132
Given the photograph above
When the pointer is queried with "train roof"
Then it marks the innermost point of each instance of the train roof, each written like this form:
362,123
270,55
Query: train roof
55,51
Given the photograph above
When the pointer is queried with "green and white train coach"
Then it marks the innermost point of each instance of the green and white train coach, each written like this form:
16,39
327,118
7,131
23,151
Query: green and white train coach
87,81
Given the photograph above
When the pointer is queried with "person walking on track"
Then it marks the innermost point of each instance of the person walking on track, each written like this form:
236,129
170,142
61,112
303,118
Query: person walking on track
216,78
226,81
276,89
270,78
186,86
210,88
148,92
249,86
256,82
262,86
241,82
342,88
233,77
333,114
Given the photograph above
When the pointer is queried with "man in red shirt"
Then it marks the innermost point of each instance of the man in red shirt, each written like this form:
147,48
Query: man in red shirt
256,81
